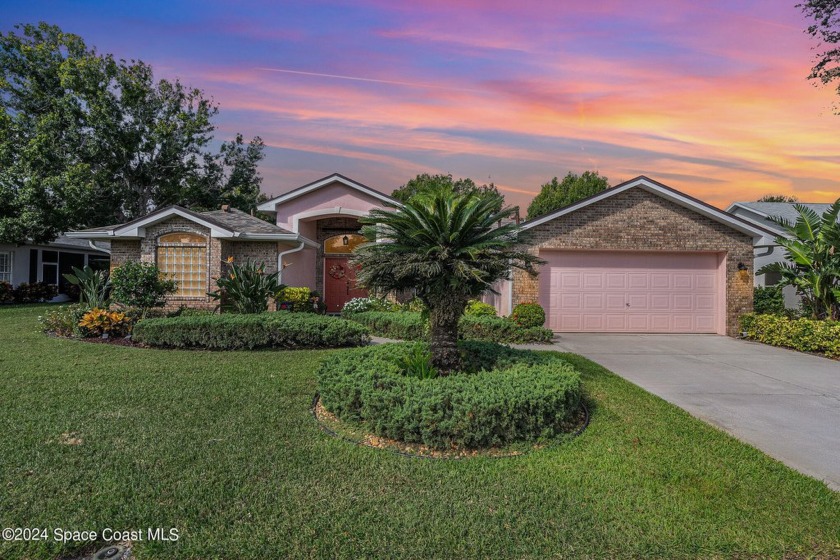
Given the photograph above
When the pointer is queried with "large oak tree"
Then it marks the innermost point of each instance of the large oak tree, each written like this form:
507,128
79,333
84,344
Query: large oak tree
87,140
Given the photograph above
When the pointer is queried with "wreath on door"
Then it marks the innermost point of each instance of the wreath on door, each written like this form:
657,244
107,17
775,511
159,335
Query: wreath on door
336,271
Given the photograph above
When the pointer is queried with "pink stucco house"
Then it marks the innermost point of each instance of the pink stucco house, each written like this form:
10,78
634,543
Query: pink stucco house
638,257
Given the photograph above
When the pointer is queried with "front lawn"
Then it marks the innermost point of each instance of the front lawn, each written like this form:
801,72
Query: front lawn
222,447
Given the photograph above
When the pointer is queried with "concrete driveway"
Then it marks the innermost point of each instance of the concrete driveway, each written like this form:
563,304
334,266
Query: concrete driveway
783,402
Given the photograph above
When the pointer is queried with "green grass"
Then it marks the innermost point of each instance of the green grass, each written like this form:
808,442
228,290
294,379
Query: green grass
222,446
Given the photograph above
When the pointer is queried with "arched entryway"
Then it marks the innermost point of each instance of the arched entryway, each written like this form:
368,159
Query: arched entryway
339,275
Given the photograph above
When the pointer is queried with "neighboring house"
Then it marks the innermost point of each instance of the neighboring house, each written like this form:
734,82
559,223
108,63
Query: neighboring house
192,247
48,262
639,257
759,213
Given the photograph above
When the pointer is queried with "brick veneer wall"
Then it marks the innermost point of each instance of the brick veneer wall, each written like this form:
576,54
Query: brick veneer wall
637,220
218,250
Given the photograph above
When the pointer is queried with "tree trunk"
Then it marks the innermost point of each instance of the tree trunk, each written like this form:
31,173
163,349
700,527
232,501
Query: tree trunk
444,314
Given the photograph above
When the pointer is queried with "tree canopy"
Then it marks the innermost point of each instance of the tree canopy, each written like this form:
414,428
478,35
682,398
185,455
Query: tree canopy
87,140
557,194
425,184
777,198
825,28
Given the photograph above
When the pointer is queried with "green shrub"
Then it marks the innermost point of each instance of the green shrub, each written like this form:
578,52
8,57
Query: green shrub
479,308
279,329
412,326
184,311
7,293
414,305
519,397
404,326
140,285
528,315
34,293
769,300
805,335
63,320
371,303
293,298
499,329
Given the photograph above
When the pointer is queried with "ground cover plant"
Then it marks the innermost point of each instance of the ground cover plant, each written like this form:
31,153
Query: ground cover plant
501,396
223,447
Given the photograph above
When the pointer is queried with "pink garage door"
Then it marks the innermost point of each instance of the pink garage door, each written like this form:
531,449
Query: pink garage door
600,291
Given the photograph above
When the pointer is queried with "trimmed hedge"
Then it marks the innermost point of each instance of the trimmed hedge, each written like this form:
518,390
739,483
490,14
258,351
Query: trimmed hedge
411,326
805,335
279,329
516,395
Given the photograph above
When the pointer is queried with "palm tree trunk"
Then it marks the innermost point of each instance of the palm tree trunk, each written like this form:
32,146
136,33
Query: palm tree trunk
444,315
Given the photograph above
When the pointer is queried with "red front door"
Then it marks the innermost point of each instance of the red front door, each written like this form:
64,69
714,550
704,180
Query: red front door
340,283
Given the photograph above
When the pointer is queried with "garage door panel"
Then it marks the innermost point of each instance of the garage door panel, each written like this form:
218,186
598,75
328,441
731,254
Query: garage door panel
603,291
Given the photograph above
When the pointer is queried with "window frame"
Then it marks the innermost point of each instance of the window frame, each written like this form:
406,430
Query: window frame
197,289
9,267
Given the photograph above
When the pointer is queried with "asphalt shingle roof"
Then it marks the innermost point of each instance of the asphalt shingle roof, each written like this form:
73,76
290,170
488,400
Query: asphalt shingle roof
784,209
240,221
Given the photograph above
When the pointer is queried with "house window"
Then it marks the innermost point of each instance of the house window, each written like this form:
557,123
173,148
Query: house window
6,267
342,244
183,257
49,267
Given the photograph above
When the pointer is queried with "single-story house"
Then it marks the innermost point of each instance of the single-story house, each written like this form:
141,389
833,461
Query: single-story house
48,262
638,257
759,213
192,247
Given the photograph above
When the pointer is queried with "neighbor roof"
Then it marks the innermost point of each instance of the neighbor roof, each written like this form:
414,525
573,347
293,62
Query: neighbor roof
744,226
271,205
784,210
230,223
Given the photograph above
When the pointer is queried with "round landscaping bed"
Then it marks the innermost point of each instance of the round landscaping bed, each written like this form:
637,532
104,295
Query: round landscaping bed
503,396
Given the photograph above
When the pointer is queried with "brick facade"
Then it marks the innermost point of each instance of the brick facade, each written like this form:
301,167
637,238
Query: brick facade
637,220
218,250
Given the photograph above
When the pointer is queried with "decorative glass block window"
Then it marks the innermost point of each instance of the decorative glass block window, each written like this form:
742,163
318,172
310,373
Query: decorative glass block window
6,267
342,244
183,257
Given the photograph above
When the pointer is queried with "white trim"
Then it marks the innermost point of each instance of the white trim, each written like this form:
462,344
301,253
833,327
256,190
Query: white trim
333,211
271,205
135,229
10,266
280,237
666,193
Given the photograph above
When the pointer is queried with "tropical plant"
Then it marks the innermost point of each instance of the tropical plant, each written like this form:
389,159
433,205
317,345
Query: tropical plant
94,285
246,287
449,248
417,362
141,285
99,321
812,245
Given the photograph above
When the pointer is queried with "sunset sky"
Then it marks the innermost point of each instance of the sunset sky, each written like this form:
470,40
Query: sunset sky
707,97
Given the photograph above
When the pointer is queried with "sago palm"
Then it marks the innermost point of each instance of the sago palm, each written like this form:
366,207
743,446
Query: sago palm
449,248
812,245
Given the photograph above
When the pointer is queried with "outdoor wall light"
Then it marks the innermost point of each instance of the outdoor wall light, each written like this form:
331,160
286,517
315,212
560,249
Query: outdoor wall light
742,267
345,240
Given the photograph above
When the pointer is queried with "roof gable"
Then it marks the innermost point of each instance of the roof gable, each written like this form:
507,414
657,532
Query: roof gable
271,205
666,192
761,212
